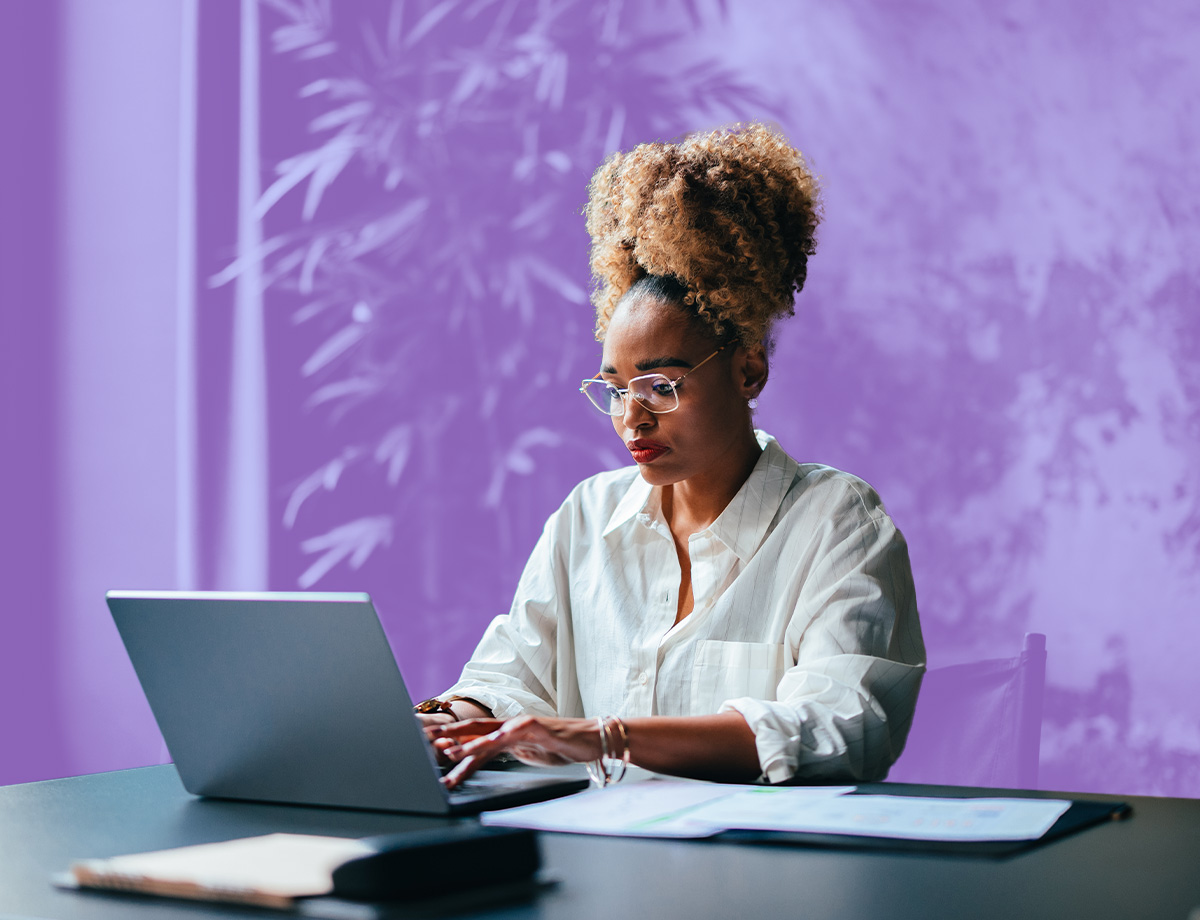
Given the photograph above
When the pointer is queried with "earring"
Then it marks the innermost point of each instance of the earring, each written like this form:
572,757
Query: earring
752,402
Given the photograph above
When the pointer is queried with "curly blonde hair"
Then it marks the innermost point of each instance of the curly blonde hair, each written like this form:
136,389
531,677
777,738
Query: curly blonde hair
731,215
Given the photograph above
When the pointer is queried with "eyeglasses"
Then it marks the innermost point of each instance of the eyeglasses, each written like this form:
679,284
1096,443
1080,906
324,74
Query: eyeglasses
657,393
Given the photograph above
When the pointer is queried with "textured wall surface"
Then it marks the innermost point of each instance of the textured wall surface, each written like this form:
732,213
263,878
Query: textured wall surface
999,332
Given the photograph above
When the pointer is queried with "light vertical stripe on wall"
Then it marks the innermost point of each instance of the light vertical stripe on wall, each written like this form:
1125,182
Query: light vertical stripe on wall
243,552
186,460
117,326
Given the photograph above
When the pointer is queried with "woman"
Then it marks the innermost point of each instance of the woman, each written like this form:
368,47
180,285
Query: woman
717,610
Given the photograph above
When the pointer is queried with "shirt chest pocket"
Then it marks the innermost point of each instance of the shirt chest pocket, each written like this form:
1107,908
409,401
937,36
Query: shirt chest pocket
727,670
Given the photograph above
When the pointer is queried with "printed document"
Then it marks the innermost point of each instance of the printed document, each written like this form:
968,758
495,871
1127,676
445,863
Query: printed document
665,808
654,808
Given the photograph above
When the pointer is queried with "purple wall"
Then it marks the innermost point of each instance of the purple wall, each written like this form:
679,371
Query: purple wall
309,309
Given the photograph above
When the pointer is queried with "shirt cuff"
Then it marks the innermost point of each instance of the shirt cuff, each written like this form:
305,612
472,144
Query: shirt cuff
776,736
501,705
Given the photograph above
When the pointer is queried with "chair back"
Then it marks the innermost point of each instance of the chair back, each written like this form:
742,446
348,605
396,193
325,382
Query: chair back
979,724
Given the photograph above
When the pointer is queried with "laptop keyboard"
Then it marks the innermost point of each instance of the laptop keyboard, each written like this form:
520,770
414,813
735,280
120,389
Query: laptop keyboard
490,785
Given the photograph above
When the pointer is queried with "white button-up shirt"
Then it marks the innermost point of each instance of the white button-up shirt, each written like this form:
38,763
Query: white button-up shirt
804,618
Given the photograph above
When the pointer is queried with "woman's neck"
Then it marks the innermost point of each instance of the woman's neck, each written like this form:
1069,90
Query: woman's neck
693,504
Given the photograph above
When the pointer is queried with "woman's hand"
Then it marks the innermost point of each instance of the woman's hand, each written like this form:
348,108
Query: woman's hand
531,739
460,709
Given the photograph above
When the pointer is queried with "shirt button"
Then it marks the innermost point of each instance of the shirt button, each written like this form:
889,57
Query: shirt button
643,678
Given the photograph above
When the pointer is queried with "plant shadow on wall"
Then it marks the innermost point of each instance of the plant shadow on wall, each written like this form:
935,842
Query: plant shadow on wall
425,268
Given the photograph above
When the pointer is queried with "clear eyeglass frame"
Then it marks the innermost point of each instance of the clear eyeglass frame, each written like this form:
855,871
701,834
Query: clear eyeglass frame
656,393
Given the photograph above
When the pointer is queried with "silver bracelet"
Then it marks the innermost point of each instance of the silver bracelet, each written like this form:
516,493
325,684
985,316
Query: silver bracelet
595,768
623,762
609,768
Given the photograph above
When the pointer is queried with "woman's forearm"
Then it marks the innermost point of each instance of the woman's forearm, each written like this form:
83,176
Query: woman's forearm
464,708
717,747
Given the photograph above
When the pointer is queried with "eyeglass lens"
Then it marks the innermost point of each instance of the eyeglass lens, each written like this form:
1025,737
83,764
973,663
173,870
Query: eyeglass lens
655,392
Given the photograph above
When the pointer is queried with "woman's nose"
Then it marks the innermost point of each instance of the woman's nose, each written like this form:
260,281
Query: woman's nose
636,415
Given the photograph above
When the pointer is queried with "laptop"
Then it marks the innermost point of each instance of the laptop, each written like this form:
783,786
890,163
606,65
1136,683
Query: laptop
296,698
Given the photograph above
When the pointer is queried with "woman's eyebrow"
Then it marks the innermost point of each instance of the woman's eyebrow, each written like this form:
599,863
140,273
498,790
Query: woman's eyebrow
649,364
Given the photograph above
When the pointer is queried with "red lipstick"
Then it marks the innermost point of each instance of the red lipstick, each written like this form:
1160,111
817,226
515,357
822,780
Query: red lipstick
646,451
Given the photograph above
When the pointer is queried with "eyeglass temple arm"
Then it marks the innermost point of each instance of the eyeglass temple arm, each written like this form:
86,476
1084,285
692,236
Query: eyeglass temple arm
697,367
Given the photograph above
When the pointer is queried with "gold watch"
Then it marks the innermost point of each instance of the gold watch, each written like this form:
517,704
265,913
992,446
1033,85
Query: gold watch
427,707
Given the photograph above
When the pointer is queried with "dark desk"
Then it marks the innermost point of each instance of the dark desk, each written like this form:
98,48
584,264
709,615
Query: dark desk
1147,867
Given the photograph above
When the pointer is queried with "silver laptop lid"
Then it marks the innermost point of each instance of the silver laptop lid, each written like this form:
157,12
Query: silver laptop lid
280,697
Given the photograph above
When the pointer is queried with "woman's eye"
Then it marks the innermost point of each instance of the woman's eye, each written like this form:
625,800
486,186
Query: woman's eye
663,389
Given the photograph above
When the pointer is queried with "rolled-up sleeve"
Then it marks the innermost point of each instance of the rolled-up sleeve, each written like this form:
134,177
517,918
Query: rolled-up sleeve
842,710
515,667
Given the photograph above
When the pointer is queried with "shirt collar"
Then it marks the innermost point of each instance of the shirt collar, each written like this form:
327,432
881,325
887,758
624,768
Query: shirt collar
743,524
634,502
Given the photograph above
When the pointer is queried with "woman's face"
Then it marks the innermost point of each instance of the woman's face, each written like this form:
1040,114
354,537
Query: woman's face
706,439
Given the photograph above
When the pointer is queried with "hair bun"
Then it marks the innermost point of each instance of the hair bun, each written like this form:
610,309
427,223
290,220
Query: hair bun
732,214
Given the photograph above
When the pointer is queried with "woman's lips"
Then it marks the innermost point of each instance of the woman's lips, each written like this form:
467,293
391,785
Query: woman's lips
646,451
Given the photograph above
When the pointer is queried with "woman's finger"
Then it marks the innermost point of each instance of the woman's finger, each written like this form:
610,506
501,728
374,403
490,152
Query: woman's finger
461,772
486,747
428,719
465,729
471,756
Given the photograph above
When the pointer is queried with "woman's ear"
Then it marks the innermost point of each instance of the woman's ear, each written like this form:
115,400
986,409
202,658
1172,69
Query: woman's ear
751,370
